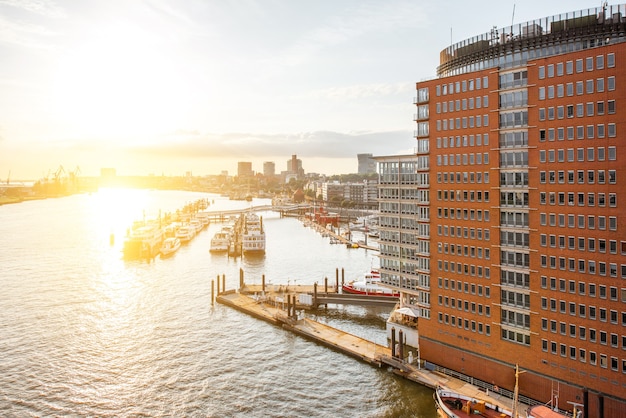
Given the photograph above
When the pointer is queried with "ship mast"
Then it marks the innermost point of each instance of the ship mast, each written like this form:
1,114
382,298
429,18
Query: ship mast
514,413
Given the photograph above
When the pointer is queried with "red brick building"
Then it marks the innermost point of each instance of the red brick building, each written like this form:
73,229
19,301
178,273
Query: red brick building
525,130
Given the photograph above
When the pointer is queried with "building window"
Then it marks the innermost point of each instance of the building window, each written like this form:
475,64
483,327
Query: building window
610,60
611,83
579,65
611,130
612,153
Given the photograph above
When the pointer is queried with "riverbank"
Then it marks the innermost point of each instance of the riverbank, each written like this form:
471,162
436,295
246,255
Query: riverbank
7,200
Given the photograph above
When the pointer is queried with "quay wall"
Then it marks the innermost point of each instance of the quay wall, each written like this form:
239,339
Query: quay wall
536,384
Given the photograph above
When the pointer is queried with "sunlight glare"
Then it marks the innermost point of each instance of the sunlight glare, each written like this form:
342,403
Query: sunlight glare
118,82
117,209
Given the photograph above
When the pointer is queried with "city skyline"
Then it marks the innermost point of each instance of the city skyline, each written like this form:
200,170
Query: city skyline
163,87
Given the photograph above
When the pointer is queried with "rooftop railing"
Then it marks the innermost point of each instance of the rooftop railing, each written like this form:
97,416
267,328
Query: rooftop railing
606,15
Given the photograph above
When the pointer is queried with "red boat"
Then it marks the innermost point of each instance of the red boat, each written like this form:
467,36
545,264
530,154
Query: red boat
370,285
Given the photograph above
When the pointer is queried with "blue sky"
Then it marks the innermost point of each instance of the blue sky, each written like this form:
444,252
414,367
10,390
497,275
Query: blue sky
165,86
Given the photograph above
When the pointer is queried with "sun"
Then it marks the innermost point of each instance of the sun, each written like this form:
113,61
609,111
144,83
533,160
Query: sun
117,82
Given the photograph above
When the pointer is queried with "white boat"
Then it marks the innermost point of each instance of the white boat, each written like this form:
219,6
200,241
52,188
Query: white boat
185,233
204,218
220,241
170,246
143,242
369,285
253,237
196,224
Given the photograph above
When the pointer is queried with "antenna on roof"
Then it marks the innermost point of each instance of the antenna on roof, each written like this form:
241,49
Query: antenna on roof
513,17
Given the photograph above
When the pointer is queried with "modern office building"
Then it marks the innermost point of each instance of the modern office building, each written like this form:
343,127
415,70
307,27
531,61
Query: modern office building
367,163
244,169
516,254
269,169
294,167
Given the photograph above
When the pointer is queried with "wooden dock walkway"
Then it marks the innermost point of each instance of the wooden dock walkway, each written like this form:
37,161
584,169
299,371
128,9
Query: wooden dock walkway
347,343
352,345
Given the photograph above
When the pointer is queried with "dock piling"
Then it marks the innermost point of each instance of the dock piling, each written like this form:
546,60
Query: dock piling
336,280
241,283
212,292
263,283
223,282
218,284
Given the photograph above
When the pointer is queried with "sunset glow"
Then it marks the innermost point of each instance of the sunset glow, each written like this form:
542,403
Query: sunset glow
157,86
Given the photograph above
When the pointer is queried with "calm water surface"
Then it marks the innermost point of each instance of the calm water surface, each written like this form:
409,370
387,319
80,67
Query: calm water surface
85,333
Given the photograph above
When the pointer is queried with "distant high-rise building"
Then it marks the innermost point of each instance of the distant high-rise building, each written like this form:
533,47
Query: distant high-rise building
367,163
294,166
244,169
506,233
269,169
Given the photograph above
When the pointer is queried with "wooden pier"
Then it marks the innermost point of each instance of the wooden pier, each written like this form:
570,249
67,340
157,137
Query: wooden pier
352,345
331,337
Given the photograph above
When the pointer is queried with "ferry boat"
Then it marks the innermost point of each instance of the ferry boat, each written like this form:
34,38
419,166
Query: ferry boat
370,285
253,238
220,241
170,246
143,242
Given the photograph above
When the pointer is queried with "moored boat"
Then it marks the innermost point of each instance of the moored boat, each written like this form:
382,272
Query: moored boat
542,411
253,237
369,285
143,242
196,224
220,241
185,233
170,246
452,404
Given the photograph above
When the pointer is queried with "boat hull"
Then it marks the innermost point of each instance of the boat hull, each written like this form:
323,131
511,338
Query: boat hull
347,288
454,405
170,246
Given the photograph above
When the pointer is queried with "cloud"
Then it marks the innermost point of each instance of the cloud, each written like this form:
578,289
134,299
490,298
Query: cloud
21,33
361,91
319,144
40,7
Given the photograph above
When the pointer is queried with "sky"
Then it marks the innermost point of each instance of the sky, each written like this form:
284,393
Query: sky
167,87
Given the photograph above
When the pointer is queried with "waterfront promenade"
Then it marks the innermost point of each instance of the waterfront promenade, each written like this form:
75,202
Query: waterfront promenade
359,348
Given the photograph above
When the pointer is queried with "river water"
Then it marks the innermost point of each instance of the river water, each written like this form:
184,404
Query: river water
85,333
